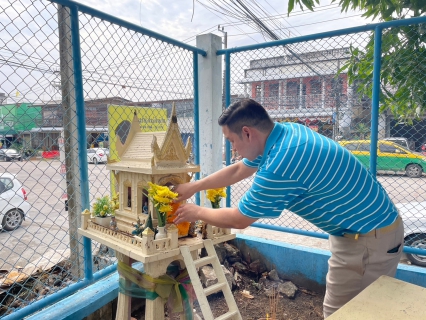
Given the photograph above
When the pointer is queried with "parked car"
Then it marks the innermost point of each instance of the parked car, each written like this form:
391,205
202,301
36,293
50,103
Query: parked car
96,155
390,156
10,155
414,217
13,202
407,144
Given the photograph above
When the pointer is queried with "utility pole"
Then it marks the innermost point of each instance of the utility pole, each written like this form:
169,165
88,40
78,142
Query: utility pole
70,141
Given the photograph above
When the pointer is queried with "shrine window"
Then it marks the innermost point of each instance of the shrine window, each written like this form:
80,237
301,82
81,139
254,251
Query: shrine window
143,202
127,196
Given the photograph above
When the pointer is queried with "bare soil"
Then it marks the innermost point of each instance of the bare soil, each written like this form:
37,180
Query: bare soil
306,305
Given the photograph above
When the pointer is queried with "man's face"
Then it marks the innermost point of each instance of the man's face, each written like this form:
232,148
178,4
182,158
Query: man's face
240,144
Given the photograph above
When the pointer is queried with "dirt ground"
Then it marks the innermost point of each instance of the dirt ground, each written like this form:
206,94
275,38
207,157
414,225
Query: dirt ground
306,305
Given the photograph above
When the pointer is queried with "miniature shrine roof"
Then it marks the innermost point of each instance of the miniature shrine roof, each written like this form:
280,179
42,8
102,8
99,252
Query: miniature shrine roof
160,152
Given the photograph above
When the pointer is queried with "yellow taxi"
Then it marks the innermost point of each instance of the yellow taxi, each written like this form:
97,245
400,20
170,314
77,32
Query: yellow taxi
390,156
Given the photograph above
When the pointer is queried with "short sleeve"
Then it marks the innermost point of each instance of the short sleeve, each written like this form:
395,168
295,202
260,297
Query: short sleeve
269,195
253,164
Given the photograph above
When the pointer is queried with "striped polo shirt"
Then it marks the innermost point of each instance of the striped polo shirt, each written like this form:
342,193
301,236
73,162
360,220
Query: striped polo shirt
314,177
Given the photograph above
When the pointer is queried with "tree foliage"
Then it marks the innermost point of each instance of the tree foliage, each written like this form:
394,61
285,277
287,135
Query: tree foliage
403,64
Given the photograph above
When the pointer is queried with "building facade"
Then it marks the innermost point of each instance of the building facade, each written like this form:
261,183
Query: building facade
307,88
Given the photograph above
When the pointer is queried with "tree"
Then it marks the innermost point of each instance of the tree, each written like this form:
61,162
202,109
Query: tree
403,70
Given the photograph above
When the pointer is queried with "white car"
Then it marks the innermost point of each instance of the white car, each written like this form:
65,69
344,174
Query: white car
13,202
413,215
96,155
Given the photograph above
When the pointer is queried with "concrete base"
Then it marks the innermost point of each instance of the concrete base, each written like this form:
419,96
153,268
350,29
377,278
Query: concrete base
385,299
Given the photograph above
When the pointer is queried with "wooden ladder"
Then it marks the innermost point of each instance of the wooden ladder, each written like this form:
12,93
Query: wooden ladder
222,285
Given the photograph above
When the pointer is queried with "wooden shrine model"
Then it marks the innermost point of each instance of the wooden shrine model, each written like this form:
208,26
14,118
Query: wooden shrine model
157,157
160,158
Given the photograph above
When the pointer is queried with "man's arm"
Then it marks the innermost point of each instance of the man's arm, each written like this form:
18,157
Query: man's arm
222,178
223,217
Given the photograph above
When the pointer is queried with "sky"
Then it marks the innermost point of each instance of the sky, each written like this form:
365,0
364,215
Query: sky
29,55
183,19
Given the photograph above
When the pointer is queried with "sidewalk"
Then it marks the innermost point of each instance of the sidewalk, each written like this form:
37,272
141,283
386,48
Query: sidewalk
295,239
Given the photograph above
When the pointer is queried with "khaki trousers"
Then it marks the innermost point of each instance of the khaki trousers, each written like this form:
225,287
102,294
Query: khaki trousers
355,264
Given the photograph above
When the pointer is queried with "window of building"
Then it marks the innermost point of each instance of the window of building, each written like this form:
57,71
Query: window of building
273,90
292,88
258,92
316,86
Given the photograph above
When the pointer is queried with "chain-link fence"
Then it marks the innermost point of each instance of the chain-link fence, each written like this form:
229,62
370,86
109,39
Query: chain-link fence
325,82
69,93
120,70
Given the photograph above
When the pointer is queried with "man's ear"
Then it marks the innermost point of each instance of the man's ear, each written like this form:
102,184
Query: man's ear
246,131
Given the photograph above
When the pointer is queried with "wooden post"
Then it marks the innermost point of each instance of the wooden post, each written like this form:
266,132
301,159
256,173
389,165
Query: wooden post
124,302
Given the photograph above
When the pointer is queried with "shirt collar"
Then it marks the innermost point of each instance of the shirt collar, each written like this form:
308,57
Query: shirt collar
270,141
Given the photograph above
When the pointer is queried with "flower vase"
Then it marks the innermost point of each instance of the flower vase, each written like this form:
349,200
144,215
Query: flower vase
183,227
161,234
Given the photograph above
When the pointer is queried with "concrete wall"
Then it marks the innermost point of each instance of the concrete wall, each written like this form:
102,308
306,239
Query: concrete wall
307,267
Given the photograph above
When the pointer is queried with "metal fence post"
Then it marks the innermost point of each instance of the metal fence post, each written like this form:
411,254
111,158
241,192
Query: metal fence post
227,103
196,120
82,140
376,99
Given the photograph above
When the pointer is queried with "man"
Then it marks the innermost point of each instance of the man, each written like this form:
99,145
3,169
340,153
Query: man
313,176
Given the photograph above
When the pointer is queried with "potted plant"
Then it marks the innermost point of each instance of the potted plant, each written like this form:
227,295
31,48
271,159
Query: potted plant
103,209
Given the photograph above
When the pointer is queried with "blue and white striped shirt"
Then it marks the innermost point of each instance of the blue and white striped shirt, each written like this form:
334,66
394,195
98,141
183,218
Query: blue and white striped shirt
314,177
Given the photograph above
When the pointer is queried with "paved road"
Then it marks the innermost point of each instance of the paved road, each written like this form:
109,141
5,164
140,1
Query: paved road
45,233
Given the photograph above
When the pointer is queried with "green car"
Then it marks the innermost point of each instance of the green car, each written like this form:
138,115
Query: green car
390,156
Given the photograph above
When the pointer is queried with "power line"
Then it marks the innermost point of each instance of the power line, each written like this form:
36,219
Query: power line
306,24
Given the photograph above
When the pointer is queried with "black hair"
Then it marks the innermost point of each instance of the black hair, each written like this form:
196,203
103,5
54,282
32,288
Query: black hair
246,112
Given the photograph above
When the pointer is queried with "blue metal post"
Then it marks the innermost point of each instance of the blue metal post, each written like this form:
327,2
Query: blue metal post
196,121
227,103
376,99
82,139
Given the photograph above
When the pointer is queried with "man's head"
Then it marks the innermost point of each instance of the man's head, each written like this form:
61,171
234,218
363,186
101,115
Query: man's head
246,112
246,124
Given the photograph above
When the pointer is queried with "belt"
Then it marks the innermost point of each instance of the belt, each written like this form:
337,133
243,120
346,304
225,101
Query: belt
383,230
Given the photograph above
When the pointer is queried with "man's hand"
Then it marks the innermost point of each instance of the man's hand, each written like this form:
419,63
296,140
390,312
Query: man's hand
187,213
185,191
223,217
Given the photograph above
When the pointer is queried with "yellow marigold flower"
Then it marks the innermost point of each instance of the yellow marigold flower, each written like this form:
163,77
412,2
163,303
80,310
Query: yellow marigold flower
105,207
160,199
216,194
165,208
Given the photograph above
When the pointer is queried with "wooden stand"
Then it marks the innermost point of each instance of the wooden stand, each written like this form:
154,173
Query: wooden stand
155,264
